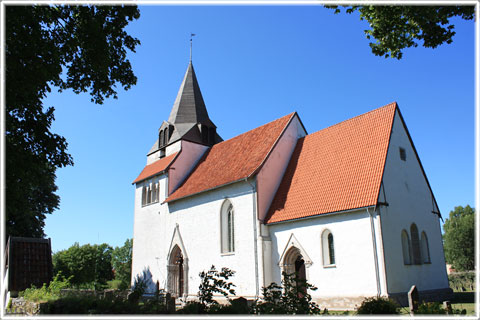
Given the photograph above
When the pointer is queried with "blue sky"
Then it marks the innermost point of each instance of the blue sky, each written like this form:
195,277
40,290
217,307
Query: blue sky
255,64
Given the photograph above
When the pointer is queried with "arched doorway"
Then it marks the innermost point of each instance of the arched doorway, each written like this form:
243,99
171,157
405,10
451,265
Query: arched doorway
176,274
294,266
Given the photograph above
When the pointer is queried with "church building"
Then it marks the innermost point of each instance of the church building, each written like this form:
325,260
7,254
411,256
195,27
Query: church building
348,207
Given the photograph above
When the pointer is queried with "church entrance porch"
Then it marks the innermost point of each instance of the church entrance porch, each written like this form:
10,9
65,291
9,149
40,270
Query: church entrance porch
294,266
176,273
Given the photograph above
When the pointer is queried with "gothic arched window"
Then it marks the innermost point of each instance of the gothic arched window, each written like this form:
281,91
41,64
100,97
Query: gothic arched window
415,244
227,221
328,248
160,139
406,248
165,136
424,248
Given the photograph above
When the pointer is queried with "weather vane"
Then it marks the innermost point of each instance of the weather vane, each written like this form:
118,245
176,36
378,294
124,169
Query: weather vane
191,38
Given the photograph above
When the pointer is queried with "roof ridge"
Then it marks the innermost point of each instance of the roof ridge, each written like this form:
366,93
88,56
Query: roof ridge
274,144
356,117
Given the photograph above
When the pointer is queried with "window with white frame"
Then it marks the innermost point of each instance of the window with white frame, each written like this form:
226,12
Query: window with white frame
227,224
424,248
328,247
150,192
406,248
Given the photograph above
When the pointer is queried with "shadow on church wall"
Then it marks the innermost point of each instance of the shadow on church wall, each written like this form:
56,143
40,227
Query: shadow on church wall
145,279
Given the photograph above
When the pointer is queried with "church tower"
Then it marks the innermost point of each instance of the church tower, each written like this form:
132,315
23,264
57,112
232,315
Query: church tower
188,121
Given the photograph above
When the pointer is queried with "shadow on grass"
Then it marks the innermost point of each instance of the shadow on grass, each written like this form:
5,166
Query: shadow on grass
463,297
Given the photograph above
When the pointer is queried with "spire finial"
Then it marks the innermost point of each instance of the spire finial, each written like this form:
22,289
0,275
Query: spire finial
191,38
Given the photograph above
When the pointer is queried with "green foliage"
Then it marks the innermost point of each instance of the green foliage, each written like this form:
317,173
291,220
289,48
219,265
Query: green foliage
290,298
193,307
114,284
212,282
47,293
97,305
378,305
83,48
430,308
459,238
462,281
122,264
85,264
395,28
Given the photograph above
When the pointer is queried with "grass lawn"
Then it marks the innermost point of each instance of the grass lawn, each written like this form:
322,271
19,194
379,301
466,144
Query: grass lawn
464,300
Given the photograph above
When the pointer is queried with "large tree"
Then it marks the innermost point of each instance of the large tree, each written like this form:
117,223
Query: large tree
395,28
459,238
86,264
122,263
83,48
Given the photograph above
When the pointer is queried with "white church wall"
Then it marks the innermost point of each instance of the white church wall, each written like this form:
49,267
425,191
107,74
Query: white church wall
271,174
146,227
151,158
198,219
353,275
174,147
184,163
409,201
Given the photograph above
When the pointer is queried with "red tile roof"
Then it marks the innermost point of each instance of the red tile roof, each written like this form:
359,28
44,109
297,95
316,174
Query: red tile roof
155,168
335,169
232,160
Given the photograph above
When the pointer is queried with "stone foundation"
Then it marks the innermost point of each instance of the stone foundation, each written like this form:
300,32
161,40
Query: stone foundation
339,303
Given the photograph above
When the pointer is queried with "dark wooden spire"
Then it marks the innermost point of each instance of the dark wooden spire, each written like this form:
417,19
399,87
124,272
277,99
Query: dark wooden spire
189,106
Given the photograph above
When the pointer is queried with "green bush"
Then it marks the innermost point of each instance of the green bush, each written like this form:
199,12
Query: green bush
98,305
47,293
290,298
115,284
430,308
378,305
213,281
462,281
193,307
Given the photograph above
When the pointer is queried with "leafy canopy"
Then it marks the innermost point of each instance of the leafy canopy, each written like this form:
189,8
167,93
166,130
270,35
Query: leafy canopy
83,48
85,264
122,263
395,28
459,238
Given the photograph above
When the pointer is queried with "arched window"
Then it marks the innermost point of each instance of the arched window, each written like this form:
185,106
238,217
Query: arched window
415,244
165,137
160,139
424,248
406,248
328,248
227,227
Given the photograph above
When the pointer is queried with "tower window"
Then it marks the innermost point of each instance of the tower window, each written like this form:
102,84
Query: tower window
165,136
403,154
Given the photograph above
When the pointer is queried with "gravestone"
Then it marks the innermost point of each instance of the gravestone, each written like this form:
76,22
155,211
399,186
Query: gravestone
413,299
447,306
